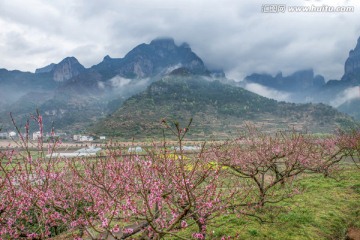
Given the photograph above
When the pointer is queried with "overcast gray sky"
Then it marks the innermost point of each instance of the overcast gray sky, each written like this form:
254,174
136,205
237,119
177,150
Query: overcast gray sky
230,34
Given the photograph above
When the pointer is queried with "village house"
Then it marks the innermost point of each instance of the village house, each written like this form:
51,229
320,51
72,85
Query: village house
4,135
7,135
83,138
135,149
36,135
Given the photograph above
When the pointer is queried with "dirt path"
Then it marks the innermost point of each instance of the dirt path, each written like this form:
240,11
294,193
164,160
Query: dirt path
353,234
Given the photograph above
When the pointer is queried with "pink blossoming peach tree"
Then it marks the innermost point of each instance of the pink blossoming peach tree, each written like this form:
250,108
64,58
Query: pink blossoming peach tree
165,192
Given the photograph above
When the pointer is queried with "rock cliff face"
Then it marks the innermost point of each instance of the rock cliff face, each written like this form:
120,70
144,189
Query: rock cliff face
352,66
148,60
67,69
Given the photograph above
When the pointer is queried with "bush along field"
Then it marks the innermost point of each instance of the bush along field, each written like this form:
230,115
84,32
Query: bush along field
286,185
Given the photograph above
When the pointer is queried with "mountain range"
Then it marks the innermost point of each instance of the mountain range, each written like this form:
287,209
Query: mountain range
127,96
303,86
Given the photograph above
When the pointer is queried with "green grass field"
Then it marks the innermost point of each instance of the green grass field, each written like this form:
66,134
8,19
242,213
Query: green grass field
326,209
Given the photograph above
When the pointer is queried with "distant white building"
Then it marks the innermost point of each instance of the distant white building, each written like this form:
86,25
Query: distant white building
12,134
4,135
102,137
8,135
135,149
86,139
83,138
36,135
76,137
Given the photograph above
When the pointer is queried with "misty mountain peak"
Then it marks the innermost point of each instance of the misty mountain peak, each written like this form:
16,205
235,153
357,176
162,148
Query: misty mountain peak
69,67
279,75
71,61
64,70
352,64
149,60
165,42
303,80
185,45
107,58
